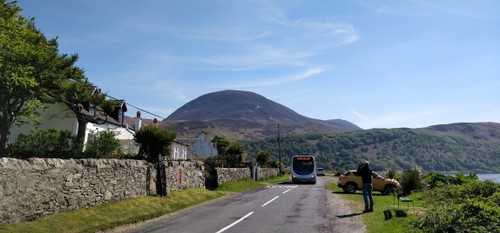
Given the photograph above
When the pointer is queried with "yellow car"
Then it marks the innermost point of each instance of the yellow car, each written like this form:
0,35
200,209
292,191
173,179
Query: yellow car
350,181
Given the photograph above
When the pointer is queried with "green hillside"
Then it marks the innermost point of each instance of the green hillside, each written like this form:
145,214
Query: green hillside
386,148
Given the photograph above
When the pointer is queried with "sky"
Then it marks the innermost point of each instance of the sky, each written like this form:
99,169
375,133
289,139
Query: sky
377,64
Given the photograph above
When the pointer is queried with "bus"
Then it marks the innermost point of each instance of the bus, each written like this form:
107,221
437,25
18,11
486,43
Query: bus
303,169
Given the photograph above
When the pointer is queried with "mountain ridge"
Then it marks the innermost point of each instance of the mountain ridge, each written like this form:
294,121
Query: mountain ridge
245,115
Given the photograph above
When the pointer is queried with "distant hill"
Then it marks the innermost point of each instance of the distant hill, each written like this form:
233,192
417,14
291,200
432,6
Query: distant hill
484,131
449,148
245,115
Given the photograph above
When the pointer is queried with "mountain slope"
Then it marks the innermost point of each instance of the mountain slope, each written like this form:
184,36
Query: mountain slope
386,148
245,115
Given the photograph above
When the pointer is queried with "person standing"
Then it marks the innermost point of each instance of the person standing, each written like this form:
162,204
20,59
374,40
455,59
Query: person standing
365,171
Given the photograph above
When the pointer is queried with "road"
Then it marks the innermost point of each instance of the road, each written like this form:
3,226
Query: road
276,208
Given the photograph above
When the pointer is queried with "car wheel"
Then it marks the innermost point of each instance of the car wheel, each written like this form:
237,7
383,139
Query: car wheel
350,188
389,189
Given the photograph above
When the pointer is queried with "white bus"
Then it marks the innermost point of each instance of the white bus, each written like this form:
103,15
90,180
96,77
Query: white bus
303,169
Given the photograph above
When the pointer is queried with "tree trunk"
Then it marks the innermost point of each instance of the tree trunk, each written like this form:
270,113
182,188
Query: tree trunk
4,138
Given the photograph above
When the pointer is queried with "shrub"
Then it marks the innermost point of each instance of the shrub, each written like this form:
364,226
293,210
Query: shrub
49,143
263,158
471,207
103,145
392,172
154,141
434,180
339,172
411,180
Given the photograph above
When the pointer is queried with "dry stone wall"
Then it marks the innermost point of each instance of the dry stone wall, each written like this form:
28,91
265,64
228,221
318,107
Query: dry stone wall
268,172
231,174
184,174
40,186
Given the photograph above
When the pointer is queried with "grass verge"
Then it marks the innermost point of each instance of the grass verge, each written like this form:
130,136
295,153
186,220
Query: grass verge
248,184
111,215
108,216
376,220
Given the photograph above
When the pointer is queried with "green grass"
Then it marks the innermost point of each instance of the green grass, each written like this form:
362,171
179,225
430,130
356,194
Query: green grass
248,184
108,216
375,221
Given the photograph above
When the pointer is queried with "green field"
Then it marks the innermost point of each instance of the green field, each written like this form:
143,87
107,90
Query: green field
376,220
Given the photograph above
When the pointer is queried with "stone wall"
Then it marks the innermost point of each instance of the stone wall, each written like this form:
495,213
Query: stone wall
184,174
231,174
37,187
268,172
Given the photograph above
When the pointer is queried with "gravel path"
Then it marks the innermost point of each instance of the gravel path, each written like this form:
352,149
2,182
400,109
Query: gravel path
345,216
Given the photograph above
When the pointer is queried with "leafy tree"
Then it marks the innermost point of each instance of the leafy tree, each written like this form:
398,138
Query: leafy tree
32,72
104,145
154,141
230,151
263,158
48,143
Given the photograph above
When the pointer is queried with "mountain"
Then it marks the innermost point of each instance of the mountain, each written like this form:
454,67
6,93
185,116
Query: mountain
442,150
245,115
484,130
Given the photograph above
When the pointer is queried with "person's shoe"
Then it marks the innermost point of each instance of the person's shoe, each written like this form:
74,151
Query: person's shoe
370,210
366,211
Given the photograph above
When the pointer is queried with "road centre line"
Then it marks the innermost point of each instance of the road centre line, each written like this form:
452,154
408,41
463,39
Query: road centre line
234,223
270,201
286,191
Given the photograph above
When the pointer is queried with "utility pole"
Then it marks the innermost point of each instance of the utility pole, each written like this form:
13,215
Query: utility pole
279,149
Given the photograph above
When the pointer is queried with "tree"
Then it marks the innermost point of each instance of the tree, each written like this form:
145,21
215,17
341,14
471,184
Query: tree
154,141
32,72
228,150
263,158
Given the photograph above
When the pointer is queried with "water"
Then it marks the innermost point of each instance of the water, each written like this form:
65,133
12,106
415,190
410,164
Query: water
493,177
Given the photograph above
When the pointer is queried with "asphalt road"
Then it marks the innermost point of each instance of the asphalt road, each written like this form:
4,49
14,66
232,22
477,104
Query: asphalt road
276,208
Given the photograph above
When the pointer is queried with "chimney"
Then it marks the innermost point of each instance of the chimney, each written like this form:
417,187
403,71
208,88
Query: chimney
138,121
155,122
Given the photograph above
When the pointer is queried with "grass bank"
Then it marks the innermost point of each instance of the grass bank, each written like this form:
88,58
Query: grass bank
376,220
108,216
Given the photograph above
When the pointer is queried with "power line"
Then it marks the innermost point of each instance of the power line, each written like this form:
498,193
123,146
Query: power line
141,109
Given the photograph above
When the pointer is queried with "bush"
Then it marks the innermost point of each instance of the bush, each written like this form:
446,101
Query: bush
434,180
392,172
154,141
48,143
103,145
339,172
411,180
471,207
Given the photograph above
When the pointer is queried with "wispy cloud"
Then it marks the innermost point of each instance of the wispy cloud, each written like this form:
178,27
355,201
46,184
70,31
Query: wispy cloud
391,119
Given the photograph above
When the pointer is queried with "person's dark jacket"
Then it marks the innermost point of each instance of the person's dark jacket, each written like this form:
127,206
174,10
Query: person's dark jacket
366,174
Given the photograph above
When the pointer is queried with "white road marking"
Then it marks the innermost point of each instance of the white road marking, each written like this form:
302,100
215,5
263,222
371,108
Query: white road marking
234,223
286,191
270,201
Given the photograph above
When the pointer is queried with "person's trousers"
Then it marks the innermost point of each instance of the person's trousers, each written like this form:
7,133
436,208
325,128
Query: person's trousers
367,195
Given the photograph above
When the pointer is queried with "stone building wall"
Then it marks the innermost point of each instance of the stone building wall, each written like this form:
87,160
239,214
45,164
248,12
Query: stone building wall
40,186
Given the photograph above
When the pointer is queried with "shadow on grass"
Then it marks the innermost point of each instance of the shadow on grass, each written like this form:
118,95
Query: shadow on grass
348,215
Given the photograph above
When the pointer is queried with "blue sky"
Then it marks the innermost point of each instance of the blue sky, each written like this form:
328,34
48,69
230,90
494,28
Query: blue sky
377,64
